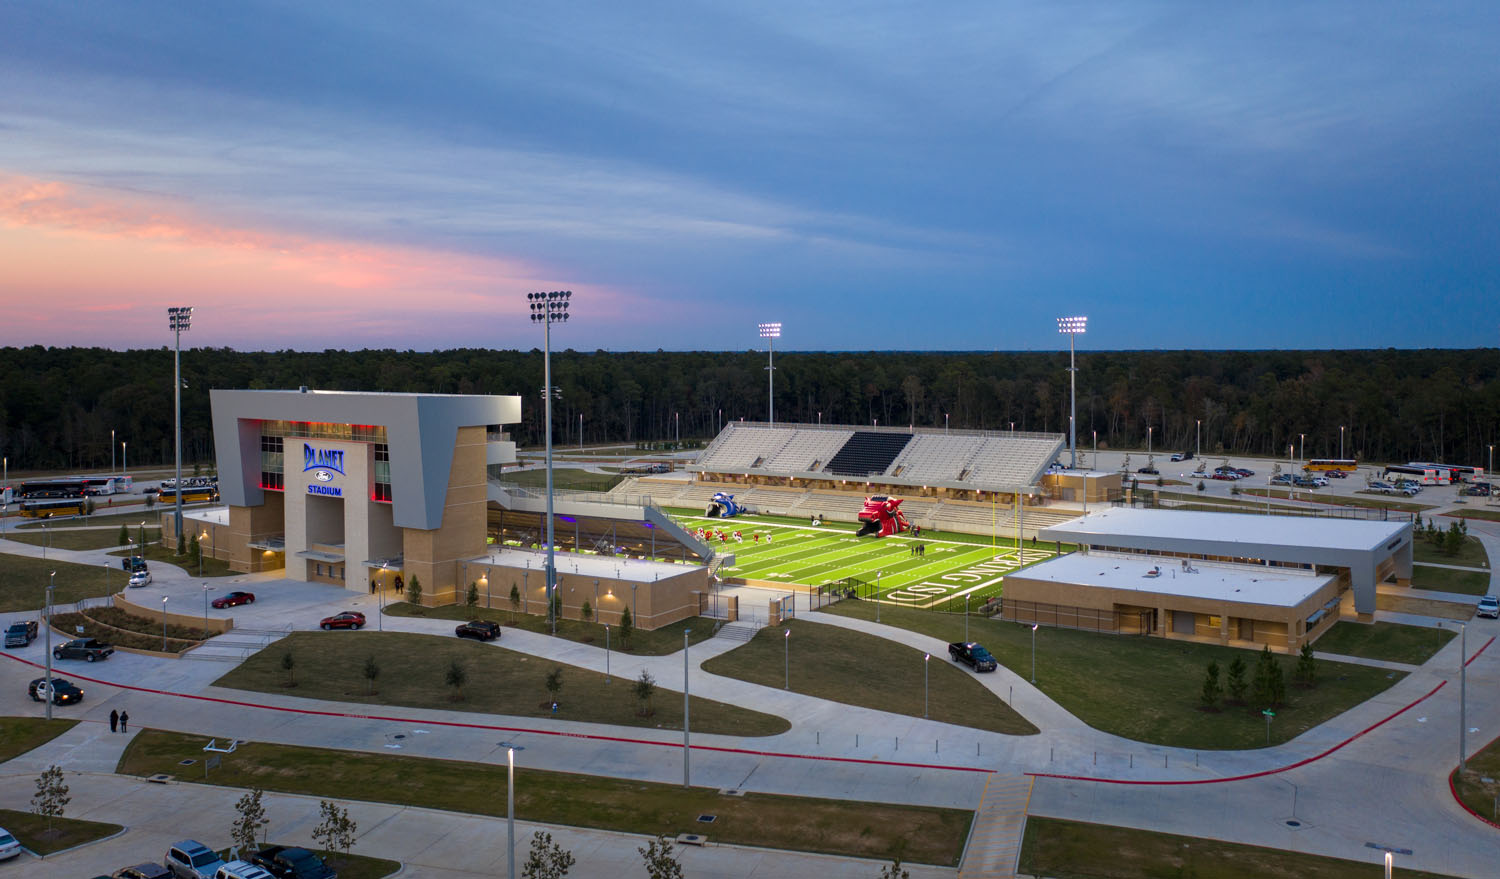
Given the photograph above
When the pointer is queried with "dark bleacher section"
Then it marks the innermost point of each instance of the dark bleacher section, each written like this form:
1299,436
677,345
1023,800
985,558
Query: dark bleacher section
867,452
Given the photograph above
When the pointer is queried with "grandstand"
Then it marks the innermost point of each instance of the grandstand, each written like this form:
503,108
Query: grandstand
963,465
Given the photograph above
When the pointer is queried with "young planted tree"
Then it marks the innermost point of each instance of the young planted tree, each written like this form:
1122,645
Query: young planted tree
515,601
414,591
371,671
1211,694
336,831
1269,689
586,613
51,795
472,598
456,677
547,859
1306,672
661,863
250,818
894,870
1236,681
124,535
554,685
289,665
627,626
644,688
195,551
1453,540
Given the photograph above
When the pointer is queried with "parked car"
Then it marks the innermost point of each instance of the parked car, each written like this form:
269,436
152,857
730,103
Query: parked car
1489,606
1281,479
191,859
1149,470
972,655
20,634
234,599
483,630
287,862
64,692
1182,456
9,845
1377,484
1339,474
142,871
89,649
140,578
349,619
133,563
243,870
1242,472
1224,475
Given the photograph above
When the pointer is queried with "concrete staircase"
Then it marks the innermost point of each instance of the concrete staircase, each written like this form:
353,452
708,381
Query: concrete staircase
738,631
995,837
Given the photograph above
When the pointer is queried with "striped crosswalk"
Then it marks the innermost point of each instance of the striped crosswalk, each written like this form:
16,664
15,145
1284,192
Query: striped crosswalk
995,839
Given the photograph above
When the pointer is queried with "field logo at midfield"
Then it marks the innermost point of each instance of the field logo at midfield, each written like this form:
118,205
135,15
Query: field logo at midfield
968,579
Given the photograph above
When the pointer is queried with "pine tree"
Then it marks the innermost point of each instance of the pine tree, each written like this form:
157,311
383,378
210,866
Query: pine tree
456,677
1267,677
515,601
414,591
472,598
627,625
644,688
554,685
587,611
1211,692
1236,680
371,671
124,535
1306,672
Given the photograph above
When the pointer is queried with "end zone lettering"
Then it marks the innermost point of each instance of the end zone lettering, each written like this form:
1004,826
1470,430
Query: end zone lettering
333,459
329,490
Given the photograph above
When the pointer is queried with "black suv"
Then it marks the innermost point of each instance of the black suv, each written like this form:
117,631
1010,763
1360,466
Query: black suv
133,563
90,649
288,862
972,654
483,630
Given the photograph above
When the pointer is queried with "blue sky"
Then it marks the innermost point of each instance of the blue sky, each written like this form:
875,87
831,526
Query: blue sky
873,175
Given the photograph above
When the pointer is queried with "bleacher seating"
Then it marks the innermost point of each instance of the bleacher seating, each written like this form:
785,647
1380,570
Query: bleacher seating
935,458
740,447
866,453
808,450
1005,460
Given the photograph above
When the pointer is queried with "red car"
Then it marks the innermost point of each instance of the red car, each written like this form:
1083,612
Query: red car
234,599
349,619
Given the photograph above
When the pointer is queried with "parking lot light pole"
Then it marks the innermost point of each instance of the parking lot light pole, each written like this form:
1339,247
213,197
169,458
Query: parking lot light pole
1341,442
926,664
1198,443
206,587
164,623
1463,692
1071,327
1033,651
47,645
510,807
606,653
877,595
548,309
966,618
686,747
786,661
179,321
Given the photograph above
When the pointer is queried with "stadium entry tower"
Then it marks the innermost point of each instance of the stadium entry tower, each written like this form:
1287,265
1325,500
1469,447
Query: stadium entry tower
882,516
722,506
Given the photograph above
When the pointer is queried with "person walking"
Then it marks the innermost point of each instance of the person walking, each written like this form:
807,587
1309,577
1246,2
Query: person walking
124,721
114,720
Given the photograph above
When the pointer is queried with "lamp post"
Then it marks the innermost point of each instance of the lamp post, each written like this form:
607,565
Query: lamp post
606,653
111,452
1198,443
1033,651
1302,447
686,774
635,614
548,309
47,646
510,807
179,321
945,422
1341,442
580,431
926,664
1463,692
966,617
124,459
877,595
786,662
770,332
677,417
164,623
1149,430
1070,327
820,420
206,588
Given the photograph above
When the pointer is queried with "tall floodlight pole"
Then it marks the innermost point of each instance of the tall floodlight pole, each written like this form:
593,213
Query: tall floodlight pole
548,309
179,320
1070,327
510,806
770,332
686,747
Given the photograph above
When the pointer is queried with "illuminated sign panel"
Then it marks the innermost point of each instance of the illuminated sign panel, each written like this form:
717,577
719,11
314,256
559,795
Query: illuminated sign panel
331,459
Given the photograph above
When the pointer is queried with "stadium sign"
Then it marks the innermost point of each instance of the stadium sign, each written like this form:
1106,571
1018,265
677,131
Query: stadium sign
331,459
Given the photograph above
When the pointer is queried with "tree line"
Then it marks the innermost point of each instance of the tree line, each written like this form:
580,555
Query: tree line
58,405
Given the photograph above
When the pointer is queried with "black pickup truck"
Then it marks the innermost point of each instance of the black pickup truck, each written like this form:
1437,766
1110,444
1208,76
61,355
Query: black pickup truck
90,649
972,655
20,634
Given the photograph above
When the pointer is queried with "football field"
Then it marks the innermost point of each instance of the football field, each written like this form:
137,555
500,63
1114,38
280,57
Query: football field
789,551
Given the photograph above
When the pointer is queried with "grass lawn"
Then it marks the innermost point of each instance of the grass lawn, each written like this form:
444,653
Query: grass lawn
32,831
1447,610
114,520
564,479
139,633
21,734
836,664
1471,554
413,669
658,642
952,566
873,830
1075,850
1449,580
1144,688
155,552
1476,785
1487,515
23,582
86,538
1392,642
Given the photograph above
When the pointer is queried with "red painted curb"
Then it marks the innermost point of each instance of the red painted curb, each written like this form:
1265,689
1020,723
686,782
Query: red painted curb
512,729
1453,789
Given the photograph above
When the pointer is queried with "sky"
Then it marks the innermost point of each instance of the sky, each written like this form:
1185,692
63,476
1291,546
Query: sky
873,175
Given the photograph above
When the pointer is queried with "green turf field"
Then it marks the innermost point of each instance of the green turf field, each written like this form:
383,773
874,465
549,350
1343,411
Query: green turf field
792,551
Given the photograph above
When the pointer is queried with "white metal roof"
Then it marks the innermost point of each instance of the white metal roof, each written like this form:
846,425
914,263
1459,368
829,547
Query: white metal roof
1302,532
582,564
1221,582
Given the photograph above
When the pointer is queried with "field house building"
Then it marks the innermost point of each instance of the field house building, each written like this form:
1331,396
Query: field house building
1235,578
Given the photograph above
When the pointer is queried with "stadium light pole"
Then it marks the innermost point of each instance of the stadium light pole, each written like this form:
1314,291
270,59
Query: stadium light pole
786,660
548,309
1070,327
164,623
926,665
1033,651
770,332
179,321
510,807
